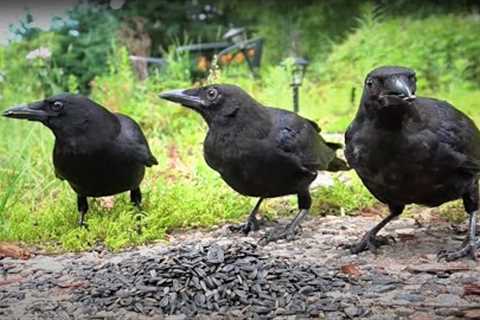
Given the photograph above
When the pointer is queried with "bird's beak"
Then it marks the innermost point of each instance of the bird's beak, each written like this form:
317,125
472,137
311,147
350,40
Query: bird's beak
184,98
32,112
400,88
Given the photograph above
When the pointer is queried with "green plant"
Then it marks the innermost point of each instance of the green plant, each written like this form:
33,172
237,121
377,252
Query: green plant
182,191
85,39
24,29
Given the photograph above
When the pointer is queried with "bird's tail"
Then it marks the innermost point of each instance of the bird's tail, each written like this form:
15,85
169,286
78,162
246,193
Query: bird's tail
151,161
338,164
334,145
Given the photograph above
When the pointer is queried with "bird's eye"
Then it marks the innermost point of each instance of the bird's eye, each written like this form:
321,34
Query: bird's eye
212,94
413,78
57,106
369,83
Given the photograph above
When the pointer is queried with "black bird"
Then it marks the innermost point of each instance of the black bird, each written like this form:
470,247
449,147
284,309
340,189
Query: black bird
98,152
409,149
259,151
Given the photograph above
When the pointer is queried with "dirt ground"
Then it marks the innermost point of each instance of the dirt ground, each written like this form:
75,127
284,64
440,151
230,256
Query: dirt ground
403,281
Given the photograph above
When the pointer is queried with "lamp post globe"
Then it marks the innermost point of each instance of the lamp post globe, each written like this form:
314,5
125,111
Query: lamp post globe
298,73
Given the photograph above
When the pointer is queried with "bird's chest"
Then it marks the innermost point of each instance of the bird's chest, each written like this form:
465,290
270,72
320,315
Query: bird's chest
403,168
232,154
97,172
392,159
73,165
243,163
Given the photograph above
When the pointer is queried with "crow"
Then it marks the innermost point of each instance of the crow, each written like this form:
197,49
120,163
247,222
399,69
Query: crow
98,152
260,151
409,149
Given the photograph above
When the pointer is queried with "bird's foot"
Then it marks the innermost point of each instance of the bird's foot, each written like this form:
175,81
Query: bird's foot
136,197
82,224
3,270
140,221
371,242
250,226
288,233
468,249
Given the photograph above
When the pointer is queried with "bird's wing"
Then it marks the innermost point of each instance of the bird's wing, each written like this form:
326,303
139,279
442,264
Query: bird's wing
134,142
350,154
281,112
458,137
299,138
58,175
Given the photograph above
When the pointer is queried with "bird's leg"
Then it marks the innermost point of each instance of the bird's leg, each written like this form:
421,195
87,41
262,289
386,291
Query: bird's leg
136,199
288,233
136,196
370,241
469,246
82,206
3,269
252,223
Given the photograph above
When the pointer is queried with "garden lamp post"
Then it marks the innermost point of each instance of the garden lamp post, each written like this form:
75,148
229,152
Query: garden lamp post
298,73
238,37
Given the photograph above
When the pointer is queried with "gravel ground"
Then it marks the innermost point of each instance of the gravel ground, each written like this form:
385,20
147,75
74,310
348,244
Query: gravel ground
313,276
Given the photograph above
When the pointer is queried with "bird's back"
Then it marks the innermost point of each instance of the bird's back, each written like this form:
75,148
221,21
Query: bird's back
302,138
132,141
272,154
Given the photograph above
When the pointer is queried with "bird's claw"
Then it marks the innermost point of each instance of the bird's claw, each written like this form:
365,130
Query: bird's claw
140,222
83,224
287,233
3,270
467,249
371,243
251,225
245,228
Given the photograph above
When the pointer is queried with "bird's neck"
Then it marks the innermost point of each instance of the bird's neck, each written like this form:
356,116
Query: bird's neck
86,135
252,118
390,118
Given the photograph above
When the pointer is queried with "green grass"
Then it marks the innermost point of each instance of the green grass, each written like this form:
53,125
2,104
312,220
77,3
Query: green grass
182,192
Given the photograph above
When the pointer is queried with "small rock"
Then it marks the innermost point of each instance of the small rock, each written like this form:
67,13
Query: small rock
472,289
421,316
176,317
334,316
446,312
443,275
409,297
406,234
353,311
404,311
385,316
438,267
383,289
448,299
103,315
472,314
46,264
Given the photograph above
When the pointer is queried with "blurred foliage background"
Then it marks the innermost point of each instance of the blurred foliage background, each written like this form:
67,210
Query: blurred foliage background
87,51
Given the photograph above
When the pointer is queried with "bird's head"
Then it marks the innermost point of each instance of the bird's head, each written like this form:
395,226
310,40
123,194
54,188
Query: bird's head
64,114
212,101
391,85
